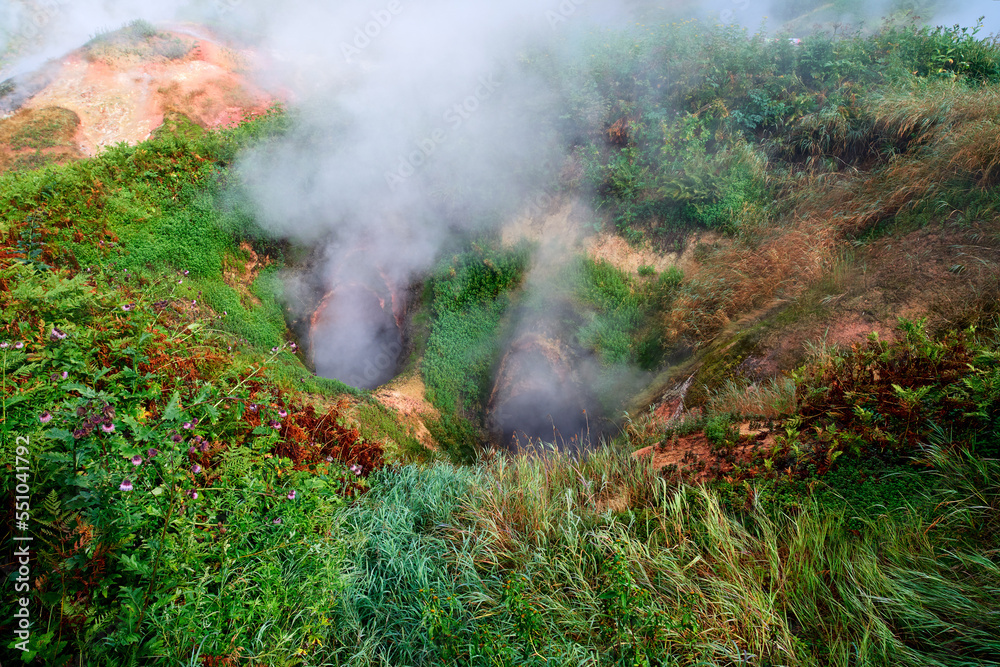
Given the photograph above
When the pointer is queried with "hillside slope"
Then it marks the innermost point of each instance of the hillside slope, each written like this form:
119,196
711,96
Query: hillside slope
791,286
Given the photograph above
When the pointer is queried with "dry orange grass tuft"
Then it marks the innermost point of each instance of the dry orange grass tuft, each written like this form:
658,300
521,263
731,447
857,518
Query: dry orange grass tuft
743,277
956,131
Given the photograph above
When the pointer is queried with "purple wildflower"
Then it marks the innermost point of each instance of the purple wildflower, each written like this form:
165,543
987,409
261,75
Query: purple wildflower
187,425
151,452
193,302
18,345
65,375
186,272
57,334
203,447
196,468
291,494
276,521
127,307
108,428
356,469
177,438
193,494
329,459
137,460
125,486
192,450
294,347
275,424
282,414
45,417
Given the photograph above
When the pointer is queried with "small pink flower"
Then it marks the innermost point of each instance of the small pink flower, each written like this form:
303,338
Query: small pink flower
65,375
108,428
137,460
18,345
45,417
125,486
276,521
196,468
291,494
187,425
282,414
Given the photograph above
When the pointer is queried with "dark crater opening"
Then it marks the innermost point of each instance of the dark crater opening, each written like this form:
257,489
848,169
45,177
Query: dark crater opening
539,396
356,338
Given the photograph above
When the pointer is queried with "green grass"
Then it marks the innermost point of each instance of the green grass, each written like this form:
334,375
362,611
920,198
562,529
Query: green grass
515,562
470,295
620,312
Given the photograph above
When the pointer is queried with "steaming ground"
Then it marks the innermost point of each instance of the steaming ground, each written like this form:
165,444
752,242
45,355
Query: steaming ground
416,125
122,93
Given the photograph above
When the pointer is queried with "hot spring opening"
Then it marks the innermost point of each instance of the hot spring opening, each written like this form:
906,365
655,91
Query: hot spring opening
356,338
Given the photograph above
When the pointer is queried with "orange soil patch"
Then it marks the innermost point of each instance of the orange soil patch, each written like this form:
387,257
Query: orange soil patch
241,276
692,455
33,137
616,251
407,396
123,99
562,225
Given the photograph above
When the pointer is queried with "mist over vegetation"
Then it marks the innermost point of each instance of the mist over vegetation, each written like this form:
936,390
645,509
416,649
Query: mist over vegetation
746,277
